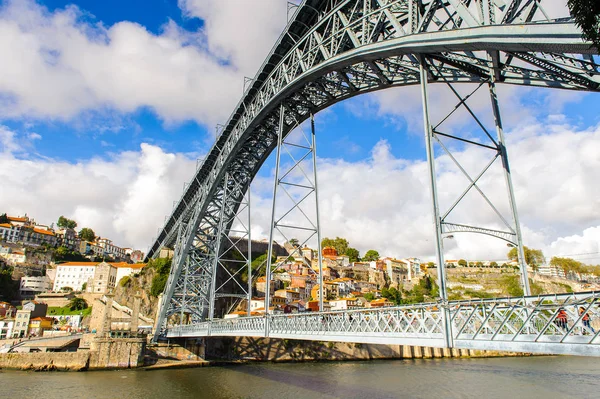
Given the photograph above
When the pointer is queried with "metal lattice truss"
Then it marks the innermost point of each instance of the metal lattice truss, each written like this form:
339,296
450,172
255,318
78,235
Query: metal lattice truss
529,324
332,50
297,179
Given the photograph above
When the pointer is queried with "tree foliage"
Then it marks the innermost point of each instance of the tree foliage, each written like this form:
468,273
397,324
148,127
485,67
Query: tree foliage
78,303
162,266
4,218
371,255
462,263
63,253
63,222
87,234
340,244
533,257
587,17
369,296
8,287
568,265
392,294
353,254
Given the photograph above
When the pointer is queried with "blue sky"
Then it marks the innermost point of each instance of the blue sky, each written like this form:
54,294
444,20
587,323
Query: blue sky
105,105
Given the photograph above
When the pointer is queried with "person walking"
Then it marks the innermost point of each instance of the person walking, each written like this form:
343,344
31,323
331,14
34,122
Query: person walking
586,320
561,318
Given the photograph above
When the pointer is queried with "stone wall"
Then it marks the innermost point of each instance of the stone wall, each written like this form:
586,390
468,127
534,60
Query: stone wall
40,361
122,353
104,354
190,349
270,349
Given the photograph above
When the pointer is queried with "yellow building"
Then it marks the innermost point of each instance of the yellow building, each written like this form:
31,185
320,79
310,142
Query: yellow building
38,325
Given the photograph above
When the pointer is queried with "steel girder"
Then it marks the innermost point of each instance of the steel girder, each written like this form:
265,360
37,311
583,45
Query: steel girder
333,50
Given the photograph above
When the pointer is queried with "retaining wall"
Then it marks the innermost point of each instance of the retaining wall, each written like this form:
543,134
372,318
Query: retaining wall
270,349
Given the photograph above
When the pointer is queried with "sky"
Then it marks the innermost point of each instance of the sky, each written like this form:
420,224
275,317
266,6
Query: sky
105,106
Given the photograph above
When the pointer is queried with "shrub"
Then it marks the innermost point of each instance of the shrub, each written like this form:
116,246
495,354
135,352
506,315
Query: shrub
125,281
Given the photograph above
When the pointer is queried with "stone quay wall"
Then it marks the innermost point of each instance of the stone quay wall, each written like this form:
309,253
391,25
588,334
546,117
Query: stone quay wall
104,354
284,350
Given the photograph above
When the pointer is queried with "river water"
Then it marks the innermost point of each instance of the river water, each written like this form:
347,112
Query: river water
531,377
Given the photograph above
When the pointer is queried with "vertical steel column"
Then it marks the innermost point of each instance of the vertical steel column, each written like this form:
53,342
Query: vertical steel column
272,226
216,249
436,209
320,257
509,185
249,252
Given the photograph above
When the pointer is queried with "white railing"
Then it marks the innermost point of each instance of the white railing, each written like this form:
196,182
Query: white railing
566,323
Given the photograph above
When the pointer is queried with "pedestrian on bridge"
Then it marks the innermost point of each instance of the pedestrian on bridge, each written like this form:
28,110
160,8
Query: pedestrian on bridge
561,318
586,320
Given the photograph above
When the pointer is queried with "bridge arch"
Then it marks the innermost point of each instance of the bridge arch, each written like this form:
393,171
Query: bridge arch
337,49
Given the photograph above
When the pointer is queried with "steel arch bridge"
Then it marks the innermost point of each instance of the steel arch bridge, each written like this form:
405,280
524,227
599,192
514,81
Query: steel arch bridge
332,50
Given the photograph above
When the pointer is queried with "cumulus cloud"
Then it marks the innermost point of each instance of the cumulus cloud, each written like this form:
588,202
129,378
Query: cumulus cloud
124,196
62,63
383,202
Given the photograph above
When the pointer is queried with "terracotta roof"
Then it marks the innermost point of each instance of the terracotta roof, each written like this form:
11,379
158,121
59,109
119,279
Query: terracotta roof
43,318
41,231
130,265
17,219
79,264
7,225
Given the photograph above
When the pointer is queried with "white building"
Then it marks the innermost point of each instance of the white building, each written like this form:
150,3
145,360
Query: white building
127,269
10,232
6,328
110,249
74,275
30,286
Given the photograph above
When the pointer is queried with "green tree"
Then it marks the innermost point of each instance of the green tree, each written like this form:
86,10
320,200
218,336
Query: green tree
462,263
87,234
340,244
568,265
294,242
587,17
369,296
353,254
493,264
533,257
78,303
63,222
371,255
8,287
478,264
158,285
393,295
162,266
4,218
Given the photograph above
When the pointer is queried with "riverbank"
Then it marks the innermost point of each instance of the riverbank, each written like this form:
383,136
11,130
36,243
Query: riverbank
107,354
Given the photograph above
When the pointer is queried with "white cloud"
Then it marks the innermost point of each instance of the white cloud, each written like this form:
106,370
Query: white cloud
383,202
584,247
240,31
61,64
124,197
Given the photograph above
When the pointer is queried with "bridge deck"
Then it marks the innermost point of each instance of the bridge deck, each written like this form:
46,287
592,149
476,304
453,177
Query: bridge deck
551,324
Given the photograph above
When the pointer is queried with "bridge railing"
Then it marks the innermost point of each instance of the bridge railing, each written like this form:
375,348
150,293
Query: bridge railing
568,318
509,323
409,321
